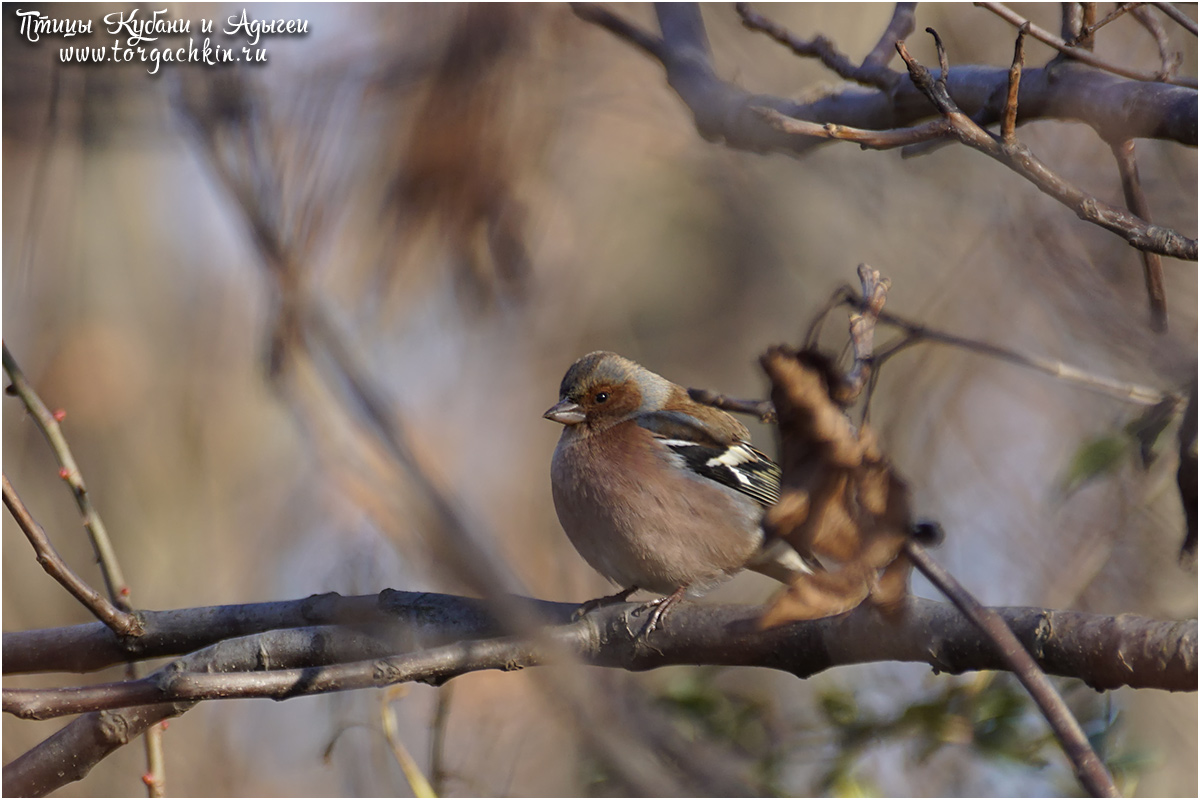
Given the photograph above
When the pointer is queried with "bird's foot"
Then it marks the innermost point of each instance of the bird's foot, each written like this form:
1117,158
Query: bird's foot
600,602
658,611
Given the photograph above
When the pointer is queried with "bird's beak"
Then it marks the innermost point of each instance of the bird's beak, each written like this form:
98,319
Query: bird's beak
566,412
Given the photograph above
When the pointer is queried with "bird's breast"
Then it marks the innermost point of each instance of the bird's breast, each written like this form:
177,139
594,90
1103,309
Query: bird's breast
640,519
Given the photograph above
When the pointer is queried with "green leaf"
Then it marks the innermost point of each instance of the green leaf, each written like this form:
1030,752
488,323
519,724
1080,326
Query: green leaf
1096,458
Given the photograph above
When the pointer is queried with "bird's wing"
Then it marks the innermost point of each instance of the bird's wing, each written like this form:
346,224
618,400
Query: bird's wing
707,453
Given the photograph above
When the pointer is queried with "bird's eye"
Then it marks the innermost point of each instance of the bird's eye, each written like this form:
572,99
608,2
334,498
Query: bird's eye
601,397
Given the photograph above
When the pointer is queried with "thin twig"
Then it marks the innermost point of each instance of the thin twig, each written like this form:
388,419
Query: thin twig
437,740
114,580
1089,769
862,330
408,765
866,138
758,408
1135,198
156,760
121,622
916,332
119,594
598,15
1008,125
1072,21
1017,157
1087,22
1171,59
1121,390
1078,53
880,77
1178,16
1119,11
904,21
943,59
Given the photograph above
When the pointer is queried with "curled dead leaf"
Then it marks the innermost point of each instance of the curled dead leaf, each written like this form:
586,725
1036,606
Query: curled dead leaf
840,500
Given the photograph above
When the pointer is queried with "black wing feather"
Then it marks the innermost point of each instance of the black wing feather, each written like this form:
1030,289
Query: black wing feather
738,466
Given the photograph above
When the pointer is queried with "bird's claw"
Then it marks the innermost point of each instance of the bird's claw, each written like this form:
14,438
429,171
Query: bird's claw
591,605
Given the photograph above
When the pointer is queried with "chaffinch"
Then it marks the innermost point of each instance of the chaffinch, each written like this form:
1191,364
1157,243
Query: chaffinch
656,491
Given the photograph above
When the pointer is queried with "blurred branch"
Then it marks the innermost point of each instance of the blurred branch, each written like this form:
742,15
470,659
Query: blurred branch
758,408
903,23
1089,769
1079,53
1084,37
915,333
438,773
1178,16
1186,475
122,623
417,782
1170,59
1135,199
868,73
307,334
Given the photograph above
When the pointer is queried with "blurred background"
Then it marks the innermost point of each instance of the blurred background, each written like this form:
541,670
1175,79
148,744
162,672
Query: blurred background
479,195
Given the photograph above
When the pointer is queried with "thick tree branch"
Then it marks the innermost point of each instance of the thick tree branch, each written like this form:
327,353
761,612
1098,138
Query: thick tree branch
442,636
426,618
1116,108
728,114
1105,652
70,754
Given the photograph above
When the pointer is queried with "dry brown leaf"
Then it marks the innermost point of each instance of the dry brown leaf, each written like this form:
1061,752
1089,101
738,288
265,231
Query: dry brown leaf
839,500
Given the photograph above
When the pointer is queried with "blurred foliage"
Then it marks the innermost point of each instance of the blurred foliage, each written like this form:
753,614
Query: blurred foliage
1138,442
988,715
1096,458
735,718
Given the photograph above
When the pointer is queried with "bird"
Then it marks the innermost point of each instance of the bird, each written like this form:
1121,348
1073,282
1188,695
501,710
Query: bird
656,491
